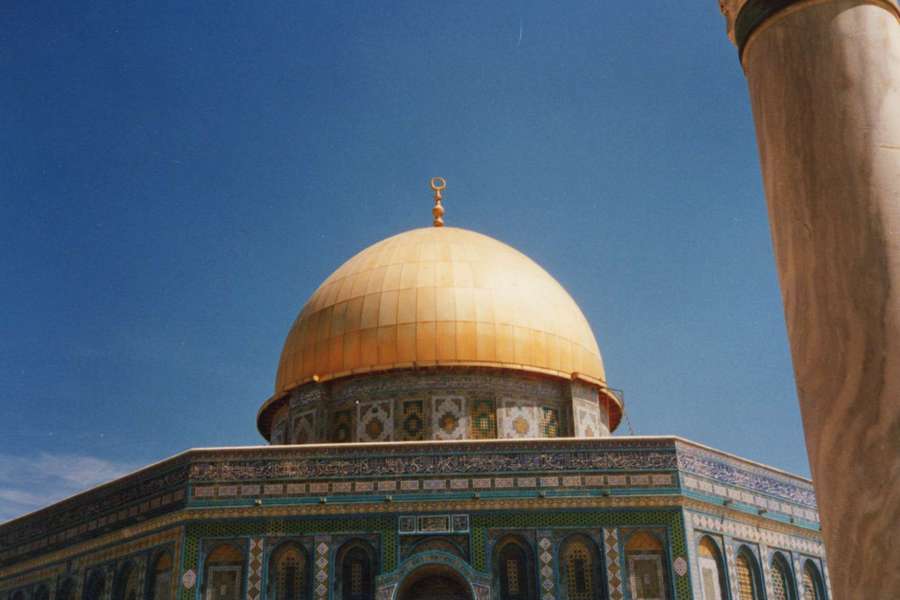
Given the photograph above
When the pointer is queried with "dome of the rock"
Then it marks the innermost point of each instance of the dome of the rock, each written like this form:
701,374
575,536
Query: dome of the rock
438,297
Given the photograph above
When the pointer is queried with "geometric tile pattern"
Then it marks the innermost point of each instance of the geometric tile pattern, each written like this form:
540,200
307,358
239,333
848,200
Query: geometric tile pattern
254,578
613,552
732,567
374,421
412,420
342,422
518,419
321,566
545,564
587,418
304,429
745,531
767,576
798,575
484,419
448,418
549,421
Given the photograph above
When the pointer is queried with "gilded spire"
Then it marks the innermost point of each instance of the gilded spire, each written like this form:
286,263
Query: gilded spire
438,184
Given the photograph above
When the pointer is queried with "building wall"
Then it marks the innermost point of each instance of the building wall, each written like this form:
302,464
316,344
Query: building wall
447,404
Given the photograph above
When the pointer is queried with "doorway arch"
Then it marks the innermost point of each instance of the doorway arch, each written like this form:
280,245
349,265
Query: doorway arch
435,582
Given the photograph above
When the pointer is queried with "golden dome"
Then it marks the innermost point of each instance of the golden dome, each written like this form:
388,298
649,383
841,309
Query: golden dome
438,296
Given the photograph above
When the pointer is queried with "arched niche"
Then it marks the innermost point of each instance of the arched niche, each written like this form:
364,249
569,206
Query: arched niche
514,569
289,572
125,585
94,585
783,587
580,569
713,583
749,579
435,582
161,576
357,567
645,558
223,572
813,586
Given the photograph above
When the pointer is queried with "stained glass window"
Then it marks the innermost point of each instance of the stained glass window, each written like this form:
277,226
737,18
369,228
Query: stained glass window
780,581
289,573
579,563
357,568
515,582
747,588
812,583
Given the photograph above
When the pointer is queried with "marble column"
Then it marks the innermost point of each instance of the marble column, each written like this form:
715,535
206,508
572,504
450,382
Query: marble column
824,82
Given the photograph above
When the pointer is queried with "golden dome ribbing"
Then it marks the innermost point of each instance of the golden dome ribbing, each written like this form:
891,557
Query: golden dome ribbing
438,296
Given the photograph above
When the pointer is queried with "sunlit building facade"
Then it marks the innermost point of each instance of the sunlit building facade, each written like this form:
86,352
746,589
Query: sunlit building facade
440,428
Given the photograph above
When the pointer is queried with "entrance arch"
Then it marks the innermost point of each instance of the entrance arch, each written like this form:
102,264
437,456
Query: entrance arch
435,582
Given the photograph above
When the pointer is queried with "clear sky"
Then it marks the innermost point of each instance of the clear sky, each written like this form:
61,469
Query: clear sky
177,178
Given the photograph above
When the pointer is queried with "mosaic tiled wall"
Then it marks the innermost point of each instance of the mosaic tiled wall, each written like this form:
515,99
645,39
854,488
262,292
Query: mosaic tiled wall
270,474
442,405
761,543
590,420
75,566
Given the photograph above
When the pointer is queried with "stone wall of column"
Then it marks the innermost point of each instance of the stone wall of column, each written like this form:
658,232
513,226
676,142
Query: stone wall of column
824,82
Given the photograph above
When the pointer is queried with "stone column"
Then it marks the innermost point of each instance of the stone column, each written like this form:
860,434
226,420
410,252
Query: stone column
824,81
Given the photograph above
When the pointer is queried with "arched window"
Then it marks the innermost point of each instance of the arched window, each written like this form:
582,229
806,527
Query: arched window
288,573
19,595
646,576
161,577
514,562
357,563
712,571
223,577
747,576
126,584
95,585
41,593
580,570
782,582
812,582
66,590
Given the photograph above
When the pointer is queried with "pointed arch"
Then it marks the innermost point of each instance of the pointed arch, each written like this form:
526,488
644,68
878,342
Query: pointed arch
581,574
223,572
712,570
94,585
161,576
289,573
645,558
125,585
514,565
782,581
813,588
356,560
749,581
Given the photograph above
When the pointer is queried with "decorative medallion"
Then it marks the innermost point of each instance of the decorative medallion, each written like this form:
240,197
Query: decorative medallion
449,417
680,565
189,579
374,421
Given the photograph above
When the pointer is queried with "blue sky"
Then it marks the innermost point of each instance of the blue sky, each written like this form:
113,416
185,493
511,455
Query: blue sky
178,178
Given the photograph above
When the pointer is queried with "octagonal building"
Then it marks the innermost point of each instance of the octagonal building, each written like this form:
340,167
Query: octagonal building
441,427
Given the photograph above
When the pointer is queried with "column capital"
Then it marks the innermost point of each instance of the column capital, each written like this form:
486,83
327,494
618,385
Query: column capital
742,17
